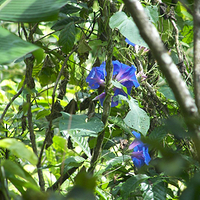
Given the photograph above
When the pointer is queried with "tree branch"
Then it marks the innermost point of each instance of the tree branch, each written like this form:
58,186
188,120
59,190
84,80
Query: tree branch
169,69
196,18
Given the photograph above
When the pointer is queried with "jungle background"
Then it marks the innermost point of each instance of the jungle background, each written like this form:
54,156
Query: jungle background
57,142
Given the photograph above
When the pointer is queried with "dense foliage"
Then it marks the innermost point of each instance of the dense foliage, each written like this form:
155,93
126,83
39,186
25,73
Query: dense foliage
86,112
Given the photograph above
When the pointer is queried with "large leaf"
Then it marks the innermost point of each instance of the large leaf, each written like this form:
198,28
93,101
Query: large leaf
81,141
20,178
119,122
79,122
13,47
154,191
67,37
127,28
19,149
30,10
117,161
72,161
136,118
132,184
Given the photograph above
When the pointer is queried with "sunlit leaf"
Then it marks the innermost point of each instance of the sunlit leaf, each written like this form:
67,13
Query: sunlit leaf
81,141
127,28
13,47
19,149
31,10
132,184
72,161
136,118
80,122
117,161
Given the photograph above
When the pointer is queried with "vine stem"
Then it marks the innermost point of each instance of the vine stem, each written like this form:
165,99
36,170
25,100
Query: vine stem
108,87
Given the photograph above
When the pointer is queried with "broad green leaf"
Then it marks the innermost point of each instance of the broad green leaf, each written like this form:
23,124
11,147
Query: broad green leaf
152,12
12,168
127,28
30,10
67,37
158,134
43,113
18,176
69,9
187,33
19,149
81,141
102,193
117,161
132,184
72,161
13,47
167,91
136,118
59,25
154,190
59,143
119,122
79,122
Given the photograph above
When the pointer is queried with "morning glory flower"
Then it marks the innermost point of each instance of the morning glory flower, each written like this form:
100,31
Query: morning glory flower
137,47
140,154
129,42
122,73
96,77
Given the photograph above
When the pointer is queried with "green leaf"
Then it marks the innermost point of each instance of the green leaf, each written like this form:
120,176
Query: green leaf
13,47
119,122
167,91
158,134
69,9
62,23
59,143
102,193
18,176
152,12
132,184
127,28
117,161
31,10
136,118
81,141
155,190
67,37
19,149
72,161
79,122
43,113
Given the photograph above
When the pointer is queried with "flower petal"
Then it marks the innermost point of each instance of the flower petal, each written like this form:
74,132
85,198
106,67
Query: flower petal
129,42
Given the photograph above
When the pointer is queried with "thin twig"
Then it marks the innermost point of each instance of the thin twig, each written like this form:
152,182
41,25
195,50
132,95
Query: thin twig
52,108
64,177
11,101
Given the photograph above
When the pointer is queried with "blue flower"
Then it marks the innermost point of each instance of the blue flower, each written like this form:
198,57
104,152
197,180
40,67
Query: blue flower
97,76
121,72
129,42
140,154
